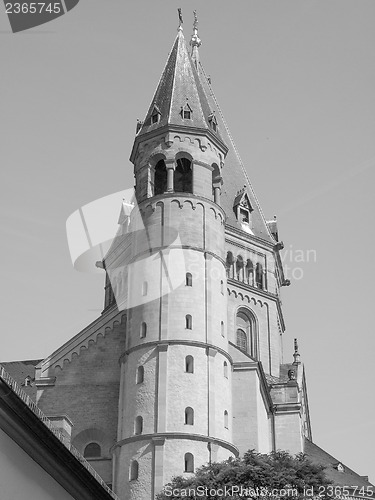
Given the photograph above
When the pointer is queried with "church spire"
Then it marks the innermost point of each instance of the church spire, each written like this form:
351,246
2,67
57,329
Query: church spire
195,42
180,20
180,100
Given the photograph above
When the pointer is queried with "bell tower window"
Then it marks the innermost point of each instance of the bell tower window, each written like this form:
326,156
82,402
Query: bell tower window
183,176
160,183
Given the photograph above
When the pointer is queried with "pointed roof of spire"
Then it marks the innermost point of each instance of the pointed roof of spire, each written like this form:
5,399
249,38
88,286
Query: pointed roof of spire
184,83
179,88
234,174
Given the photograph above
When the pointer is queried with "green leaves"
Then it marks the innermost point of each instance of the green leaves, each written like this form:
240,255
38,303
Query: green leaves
256,475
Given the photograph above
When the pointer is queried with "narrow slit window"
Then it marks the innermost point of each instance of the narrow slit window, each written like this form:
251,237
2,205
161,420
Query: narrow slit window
188,322
140,374
143,332
189,279
226,418
189,416
189,364
189,462
138,426
134,471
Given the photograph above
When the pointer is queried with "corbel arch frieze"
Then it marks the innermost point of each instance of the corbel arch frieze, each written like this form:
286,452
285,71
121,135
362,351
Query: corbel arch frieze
85,344
244,297
193,143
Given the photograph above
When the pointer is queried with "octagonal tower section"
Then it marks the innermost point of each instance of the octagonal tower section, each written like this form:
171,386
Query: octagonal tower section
176,405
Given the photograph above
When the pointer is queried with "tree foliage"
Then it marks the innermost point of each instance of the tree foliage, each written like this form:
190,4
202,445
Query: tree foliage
256,475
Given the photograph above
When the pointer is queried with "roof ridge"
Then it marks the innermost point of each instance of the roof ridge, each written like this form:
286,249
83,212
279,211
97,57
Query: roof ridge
236,152
161,76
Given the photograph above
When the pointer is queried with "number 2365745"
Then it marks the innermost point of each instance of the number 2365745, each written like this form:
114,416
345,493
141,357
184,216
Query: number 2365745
33,8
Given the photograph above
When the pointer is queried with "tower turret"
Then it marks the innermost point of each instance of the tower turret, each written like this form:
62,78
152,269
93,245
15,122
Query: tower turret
176,403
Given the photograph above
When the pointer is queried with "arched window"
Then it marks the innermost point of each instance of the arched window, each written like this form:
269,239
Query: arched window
189,364
188,322
222,329
140,374
229,265
259,275
189,416
239,268
92,450
225,369
222,287
226,419
143,332
249,272
134,470
160,182
189,279
183,176
245,334
138,425
144,288
241,340
189,462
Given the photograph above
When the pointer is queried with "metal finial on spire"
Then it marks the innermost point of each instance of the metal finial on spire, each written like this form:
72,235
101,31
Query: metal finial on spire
180,20
296,354
195,41
195,25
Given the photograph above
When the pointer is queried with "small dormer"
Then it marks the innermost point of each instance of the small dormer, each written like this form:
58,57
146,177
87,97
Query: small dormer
186,112
212,121
155,115
243,208
28,381
339,467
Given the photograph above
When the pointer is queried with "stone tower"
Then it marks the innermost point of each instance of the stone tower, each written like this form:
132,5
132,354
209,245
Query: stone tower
184,366
199,276
176,402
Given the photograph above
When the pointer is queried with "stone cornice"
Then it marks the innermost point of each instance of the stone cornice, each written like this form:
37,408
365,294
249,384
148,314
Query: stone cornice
163,131
177,435
287,408
256,240
191,343
188,196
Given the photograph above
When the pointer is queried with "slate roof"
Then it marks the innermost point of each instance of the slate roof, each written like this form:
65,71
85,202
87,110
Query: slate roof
234,175
181,83
347,478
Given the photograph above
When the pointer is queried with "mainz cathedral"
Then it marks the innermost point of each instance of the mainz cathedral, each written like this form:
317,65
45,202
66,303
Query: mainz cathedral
184,366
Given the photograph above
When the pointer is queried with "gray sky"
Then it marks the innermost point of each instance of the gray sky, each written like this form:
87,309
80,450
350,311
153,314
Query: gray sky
295,80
